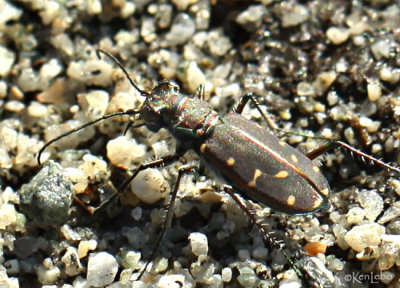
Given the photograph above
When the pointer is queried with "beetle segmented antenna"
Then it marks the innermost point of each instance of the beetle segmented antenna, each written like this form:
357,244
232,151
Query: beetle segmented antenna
129,112
116,61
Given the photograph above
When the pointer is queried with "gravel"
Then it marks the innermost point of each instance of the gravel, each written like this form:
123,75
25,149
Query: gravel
320,68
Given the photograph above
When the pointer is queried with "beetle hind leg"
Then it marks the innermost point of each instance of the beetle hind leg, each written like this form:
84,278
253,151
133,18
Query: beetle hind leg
250,97
353,151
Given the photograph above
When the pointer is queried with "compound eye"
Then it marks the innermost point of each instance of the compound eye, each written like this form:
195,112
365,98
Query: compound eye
174,87
165,87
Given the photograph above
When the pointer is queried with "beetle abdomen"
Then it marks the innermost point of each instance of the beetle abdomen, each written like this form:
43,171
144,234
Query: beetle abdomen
264,168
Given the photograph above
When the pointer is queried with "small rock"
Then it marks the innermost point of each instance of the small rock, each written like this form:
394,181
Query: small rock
7,58
381,49
374,92
8,13
182,30
260,254
313,248
355,215
48,197
226,274
71,262
202,271
391,213
129,259
198,243
372,203
150,186
171,281
102,269
218,44
389,75
338,35
323,81
122,151
363,236
8,215
294,15
251,18
85,246
47,273
247,277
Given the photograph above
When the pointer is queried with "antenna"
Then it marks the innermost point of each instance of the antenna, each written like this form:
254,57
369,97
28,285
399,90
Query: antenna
129,112
98,51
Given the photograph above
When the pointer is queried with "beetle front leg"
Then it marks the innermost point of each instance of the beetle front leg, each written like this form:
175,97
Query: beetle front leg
200,92
121,188
169,211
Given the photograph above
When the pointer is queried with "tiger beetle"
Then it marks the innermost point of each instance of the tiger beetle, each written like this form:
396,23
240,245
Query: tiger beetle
256,163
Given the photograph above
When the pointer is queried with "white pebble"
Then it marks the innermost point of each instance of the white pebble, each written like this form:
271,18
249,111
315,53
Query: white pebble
198,243
160,265
3,89
363,236
194,76
122,151
37,110
50,69
372,203
71,262
289,284
182,29
85,246
338,35
94,103
137,213
14,106
47,273
323,81
9,12
8,215
355,215
374,92
150,186
381,49
94,7
388,75
128,9
50,12
226,274
294,16
171,281
102,269
7,58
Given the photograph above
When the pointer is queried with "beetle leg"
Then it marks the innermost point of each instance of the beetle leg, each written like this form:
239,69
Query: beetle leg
121,188
335,144
302,264
169,211
267,235
249,97
200,92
